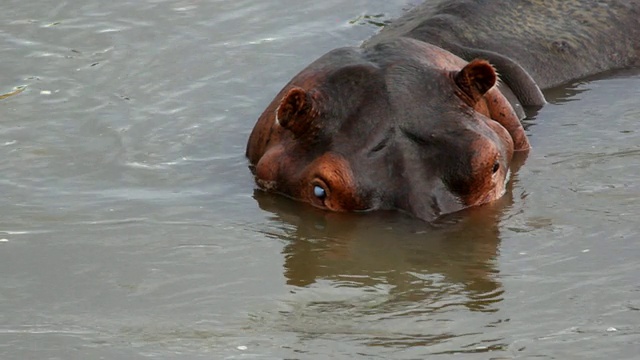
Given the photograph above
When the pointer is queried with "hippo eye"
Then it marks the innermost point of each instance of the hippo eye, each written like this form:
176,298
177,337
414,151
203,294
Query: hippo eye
319,192
496,167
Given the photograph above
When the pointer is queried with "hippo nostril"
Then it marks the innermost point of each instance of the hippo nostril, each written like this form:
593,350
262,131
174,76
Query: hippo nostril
496,167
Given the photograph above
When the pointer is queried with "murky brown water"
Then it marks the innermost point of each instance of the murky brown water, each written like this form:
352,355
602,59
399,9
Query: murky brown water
129,227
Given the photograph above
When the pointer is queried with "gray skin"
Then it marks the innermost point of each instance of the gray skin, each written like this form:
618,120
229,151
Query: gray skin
412,120
553,41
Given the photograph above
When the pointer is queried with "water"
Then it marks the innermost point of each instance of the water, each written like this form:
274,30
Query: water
130,228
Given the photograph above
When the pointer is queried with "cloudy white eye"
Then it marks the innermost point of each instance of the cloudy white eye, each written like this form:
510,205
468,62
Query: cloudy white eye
319,192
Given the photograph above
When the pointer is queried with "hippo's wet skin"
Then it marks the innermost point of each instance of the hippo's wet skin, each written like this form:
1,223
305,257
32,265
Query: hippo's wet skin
412,119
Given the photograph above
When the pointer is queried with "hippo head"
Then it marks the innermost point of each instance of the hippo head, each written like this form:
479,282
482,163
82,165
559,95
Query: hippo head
402,125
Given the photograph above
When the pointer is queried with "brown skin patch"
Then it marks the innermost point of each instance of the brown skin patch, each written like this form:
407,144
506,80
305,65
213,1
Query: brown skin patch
500,110
488,174
485,165
333,174
282,173
268,168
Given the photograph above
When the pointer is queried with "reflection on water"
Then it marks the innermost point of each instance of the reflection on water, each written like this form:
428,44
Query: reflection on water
347,270
376,276
388,249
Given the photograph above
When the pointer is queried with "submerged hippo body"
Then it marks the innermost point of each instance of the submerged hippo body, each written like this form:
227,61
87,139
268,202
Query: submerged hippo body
412,119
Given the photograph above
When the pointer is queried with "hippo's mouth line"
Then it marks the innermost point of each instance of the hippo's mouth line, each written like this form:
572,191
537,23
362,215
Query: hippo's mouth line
266,185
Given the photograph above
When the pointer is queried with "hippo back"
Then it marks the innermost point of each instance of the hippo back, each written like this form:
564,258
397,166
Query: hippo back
555,41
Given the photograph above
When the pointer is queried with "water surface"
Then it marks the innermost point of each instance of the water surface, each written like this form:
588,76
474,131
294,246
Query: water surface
130,228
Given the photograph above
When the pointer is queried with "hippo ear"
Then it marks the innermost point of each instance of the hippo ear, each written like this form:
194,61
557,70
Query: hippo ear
296,111
475,79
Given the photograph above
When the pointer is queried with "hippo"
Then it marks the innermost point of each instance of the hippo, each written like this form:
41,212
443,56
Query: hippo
425,116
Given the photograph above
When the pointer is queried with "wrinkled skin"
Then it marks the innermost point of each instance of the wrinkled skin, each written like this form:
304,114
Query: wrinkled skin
398,124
